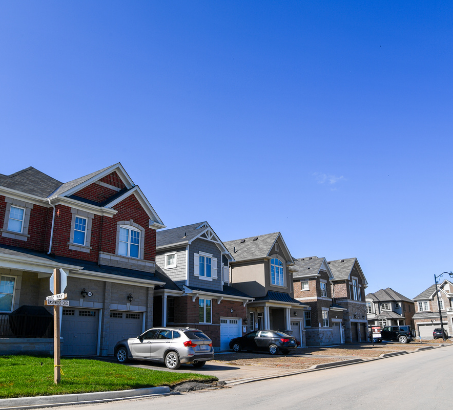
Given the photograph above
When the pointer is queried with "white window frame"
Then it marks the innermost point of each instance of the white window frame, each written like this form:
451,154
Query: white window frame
204,309
13,219
442,304
382,323
386,306
304,285
325,317
84,233
173,265
323,289
282,267
305,318
130,228
14,292
423,306
370,306
355,288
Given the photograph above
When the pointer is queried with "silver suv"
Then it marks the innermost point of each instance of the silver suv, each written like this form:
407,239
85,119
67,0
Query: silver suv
169,345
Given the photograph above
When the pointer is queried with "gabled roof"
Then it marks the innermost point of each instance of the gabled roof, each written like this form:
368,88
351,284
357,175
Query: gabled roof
77,184
185,235
342,268
305,267
389,315
387,295
30,181
431,291
277,297
255,247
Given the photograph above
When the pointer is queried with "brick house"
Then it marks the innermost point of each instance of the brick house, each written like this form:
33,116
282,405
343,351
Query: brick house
200,294
323,322
426,317
348,291
262,268
387,307
101,230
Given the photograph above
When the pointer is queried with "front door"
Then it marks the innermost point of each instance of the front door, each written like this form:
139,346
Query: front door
260,321
295,327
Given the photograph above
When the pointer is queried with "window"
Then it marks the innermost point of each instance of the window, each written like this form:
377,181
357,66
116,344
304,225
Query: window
132,315
277,272
397,305
307,318
80,228
205,266
116,315
204,310
304,285
170,260
129,242
385,306
369,308
325,318
382,323
355,289
323,289
68,312
91,313
423,306
441,304
6,293
16,219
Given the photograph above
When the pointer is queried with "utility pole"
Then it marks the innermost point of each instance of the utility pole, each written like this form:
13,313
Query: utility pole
438,301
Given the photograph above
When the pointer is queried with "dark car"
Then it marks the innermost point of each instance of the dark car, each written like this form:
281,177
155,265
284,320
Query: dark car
264,340
437,333
396,333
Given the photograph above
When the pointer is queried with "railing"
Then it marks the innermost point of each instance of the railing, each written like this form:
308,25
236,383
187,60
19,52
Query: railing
25,326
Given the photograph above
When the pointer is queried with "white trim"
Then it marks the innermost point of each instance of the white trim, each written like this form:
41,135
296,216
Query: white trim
214,295
32,265
72,203
98,347
107,277
21,196
22,220
187,265
204,308
283,267
302,282
212,237
113,188
175,264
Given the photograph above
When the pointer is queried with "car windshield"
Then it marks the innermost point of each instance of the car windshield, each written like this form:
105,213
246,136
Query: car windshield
196,334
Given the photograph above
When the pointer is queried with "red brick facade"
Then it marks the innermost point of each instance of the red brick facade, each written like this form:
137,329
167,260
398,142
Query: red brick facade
96,193
113,179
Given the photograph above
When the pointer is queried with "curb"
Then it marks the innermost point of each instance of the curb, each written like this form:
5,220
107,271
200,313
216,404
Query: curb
85,398
335,364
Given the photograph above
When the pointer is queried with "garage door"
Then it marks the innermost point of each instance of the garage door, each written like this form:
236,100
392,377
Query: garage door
336,334
426,331
229,329
122,326
79,329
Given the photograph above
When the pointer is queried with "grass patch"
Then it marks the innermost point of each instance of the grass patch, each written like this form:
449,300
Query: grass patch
27,376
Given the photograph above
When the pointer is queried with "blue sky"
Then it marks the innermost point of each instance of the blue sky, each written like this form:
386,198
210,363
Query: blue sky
327,121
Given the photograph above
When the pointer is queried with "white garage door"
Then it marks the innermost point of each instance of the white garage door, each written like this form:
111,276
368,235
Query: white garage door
229,329
122,326
426,331
79,329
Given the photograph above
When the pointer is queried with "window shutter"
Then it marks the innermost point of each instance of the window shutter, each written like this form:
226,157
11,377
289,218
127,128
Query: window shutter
214,268
196,264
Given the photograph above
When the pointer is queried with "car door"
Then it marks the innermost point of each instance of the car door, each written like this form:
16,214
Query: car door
264,340
161,344
385,333
250,341
141,347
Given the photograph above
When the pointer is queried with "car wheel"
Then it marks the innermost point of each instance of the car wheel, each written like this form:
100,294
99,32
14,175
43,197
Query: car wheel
273,349
121,355
199,364
236,347
172,360
402,339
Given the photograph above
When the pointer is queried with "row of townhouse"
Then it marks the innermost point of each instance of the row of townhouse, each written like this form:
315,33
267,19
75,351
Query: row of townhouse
126,273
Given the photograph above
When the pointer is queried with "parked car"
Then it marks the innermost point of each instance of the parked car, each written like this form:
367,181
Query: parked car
264,340
437,333
168,345
395,333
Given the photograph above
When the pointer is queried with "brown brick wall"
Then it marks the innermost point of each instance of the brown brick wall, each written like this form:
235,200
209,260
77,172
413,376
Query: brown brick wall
96,193
113,179
312,288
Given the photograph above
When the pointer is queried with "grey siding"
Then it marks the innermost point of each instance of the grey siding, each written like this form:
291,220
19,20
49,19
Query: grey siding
177,274
208,247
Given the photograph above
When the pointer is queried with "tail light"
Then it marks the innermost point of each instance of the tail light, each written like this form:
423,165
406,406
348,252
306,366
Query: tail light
298,343
285,340
189,343
210,344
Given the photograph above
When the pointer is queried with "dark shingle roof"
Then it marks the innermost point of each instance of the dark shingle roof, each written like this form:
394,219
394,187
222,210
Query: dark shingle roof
227,291
388,294
341,268
307,266
30,181
389,315
426,294
181,234
71,184
278,296
254,247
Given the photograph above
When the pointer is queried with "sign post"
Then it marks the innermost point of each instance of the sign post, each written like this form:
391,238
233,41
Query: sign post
56,328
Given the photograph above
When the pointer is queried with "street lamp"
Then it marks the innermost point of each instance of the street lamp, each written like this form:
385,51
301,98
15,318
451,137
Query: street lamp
438,301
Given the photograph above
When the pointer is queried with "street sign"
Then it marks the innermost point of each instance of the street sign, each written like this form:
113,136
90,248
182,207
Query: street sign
57,302
59,296
63,281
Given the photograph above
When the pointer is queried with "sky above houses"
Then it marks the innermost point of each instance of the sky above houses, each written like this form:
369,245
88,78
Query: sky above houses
328,121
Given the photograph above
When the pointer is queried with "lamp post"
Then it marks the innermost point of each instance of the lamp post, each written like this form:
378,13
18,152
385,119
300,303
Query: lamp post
438,301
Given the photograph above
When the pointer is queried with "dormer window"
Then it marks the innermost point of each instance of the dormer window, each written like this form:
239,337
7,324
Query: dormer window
277,276
16,219
323,289
129,242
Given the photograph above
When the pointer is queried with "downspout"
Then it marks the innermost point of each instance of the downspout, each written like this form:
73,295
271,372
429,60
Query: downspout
51,230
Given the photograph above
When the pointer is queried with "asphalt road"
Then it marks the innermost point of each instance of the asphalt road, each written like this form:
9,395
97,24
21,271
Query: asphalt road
415,381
